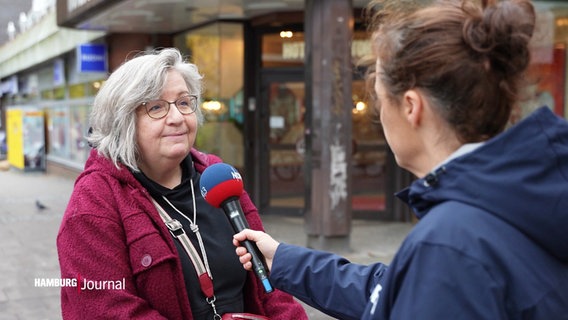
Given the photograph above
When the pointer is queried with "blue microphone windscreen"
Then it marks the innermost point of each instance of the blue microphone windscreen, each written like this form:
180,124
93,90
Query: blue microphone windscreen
220,182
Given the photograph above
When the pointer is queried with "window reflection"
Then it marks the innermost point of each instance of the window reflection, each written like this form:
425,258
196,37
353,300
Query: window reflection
218,52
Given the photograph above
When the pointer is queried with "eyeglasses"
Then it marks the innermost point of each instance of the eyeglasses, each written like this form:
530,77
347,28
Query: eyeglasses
157,109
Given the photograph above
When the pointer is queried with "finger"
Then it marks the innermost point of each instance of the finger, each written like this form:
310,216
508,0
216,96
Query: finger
245,261
245,258
249,234
241,251
239,236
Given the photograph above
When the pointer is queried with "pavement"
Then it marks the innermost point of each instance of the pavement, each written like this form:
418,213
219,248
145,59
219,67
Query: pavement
31,207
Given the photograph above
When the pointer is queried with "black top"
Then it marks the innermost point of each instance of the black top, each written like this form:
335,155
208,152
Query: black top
217,234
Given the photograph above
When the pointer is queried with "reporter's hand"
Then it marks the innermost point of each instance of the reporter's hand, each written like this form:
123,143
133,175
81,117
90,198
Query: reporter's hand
265,243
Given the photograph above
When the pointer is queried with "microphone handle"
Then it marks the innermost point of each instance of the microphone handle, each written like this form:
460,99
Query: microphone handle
258,265
234,213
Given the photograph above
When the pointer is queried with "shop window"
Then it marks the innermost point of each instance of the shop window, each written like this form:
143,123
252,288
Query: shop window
218,52
78,124
77,91
47,95
85,89
58,132
368,141
59,93
547,71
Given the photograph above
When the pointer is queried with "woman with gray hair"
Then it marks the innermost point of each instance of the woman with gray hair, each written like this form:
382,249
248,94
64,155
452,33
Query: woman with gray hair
137,240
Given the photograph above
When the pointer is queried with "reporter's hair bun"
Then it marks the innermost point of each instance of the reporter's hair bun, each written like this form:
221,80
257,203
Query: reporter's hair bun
501,32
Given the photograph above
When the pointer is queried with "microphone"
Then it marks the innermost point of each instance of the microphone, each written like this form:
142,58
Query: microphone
221,186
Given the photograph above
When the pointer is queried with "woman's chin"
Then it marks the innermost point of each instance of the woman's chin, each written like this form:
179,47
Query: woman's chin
179,151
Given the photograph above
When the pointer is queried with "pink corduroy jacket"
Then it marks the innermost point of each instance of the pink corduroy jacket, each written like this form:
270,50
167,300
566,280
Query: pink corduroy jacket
119,261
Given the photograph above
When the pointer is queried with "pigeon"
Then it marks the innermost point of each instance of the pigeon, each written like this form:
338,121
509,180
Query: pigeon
40,205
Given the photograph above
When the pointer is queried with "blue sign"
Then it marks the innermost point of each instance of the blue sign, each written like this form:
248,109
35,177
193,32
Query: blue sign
92,58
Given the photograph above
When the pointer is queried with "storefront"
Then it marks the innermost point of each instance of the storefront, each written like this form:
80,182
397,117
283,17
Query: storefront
58,95
67,101
218,49
26,139
253,60
46,90
548,69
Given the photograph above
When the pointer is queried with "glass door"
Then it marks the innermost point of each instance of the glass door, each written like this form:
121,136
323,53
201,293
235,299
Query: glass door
368,157
285,103
283,183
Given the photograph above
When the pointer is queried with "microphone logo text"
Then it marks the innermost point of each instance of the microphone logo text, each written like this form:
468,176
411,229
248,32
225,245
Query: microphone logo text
236,175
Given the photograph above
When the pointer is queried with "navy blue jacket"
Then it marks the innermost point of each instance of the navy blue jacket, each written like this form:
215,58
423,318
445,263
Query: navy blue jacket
491,243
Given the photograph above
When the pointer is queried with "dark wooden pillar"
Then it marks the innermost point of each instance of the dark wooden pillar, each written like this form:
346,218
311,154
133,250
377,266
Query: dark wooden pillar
328,32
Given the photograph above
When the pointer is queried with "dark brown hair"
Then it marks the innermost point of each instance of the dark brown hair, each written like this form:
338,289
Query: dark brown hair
468,56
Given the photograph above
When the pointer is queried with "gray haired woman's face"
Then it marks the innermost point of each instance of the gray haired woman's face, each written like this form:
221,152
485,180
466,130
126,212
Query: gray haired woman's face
165,137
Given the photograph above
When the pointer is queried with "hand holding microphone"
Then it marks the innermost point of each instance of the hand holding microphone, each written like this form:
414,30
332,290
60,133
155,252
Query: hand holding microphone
265,243
221,186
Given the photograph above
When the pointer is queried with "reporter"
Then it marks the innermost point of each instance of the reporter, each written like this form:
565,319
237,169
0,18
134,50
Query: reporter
491,242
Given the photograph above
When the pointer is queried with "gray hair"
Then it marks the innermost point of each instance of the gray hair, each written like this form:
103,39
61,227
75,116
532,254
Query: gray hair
113,116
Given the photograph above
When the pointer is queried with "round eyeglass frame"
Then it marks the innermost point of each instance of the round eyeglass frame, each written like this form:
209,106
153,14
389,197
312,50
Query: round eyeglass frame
169,103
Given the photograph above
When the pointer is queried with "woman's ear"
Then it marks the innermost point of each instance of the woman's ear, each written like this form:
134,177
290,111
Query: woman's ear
413,105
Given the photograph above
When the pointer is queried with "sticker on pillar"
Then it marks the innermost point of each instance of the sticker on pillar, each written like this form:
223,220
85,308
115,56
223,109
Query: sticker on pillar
338,183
